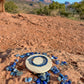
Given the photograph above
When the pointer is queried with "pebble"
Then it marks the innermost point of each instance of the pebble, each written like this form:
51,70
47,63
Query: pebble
27,54
57,62
17,55
43,78
59,78
31,53
12,73
44,54
16,60
48,79
35,53
61,75
69,82
38,81
8,68
29,79
54,57
15,70
44,82
65,78
22,56
63,63
55,70
48,74
13,65
34,79
62,82
19,73
25,79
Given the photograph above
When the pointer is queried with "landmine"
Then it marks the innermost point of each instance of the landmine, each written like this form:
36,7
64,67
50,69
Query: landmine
38,63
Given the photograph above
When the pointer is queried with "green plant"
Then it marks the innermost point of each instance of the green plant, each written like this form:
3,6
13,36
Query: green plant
11,7
54,13
66,14
82,15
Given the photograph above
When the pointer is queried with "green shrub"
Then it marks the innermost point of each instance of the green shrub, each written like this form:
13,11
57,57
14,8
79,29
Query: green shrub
82,15
54,12
46,10
66,14
40,11
11,7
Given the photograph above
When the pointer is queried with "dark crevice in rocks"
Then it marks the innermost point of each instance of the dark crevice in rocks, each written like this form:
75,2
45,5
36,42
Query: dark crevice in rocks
74,64
82,79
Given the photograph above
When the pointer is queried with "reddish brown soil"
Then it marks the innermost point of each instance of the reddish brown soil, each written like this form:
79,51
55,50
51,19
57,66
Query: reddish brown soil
62,37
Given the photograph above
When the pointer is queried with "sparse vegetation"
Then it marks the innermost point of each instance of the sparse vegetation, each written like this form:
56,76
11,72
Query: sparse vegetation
75,10
11,7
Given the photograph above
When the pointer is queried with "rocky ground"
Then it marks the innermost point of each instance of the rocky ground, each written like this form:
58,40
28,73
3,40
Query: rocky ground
23,33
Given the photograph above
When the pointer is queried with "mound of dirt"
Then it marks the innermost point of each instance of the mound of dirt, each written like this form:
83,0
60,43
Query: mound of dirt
21,33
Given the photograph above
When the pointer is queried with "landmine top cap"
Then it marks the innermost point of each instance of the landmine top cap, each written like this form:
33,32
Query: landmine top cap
38,63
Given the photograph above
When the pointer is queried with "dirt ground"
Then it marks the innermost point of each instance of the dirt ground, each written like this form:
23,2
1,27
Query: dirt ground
21,33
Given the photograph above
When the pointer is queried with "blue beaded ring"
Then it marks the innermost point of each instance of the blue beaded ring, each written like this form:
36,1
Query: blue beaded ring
45,60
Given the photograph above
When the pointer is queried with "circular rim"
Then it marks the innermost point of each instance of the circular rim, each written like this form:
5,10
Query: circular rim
37,69
42,64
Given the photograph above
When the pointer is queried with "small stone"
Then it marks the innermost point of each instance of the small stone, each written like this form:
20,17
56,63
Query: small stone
48,74
62,82
27,54
59,78
44,54
44,82
22,56
34,79
12,73
39,53
31,53
38,81
19,73
15,70
13,65
66,83
51,68
57,62
29,79
65,78
16,60
55,57
48,55
8,68
17,55
47,79
54,67
52,58
69,82
55,70
25,79
35,53
61,75
43,78
63,63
